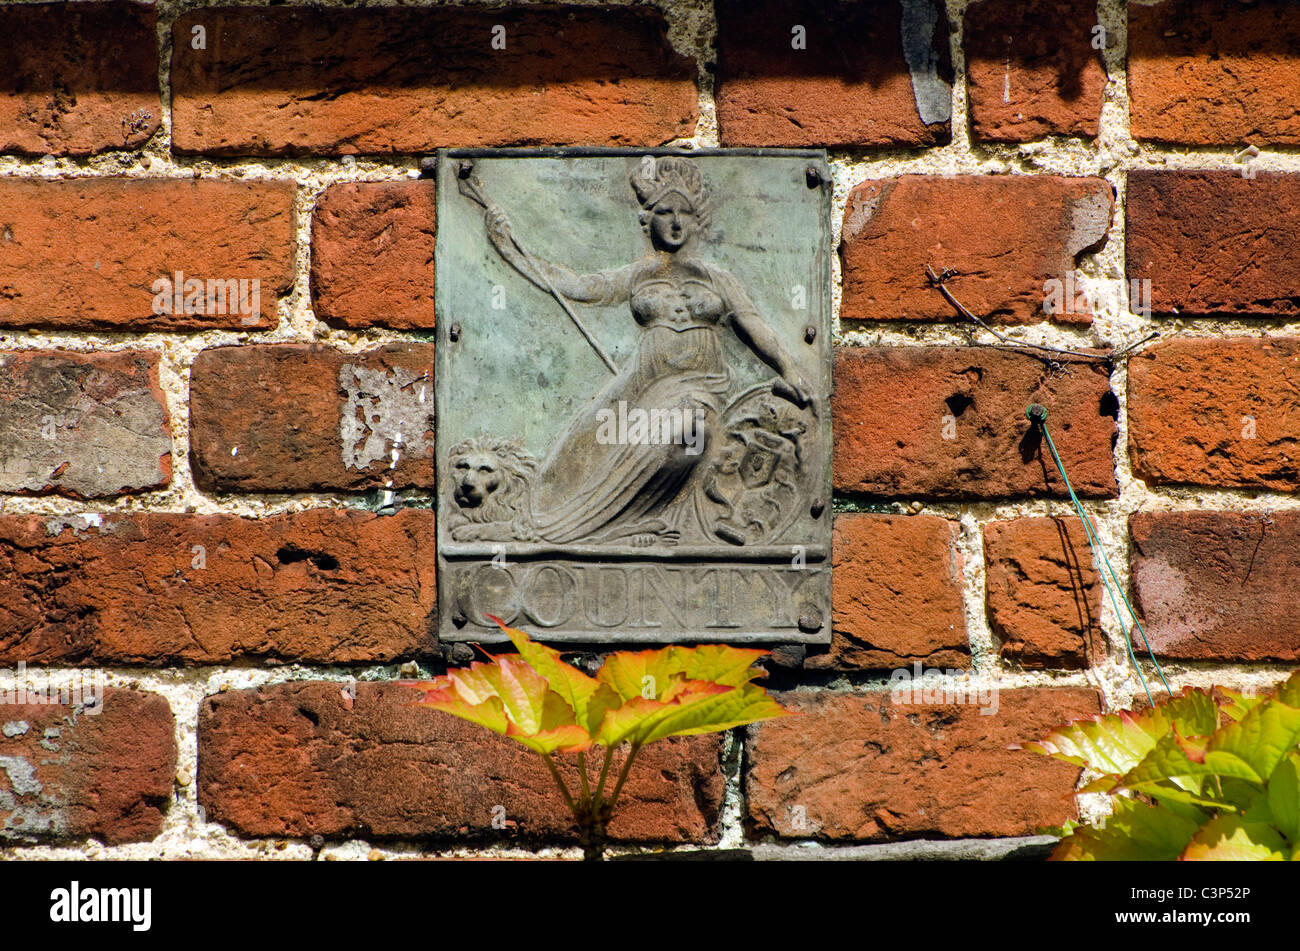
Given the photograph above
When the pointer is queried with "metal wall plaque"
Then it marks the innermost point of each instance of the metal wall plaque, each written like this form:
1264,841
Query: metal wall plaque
633,372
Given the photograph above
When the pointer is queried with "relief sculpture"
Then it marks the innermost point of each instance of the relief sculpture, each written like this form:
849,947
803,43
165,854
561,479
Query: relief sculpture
698,424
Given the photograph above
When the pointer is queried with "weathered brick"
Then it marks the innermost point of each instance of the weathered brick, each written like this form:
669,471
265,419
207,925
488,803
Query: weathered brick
949,422
302,417
319,586
372,255
894,228
1217,412
1043,592
278,81
897,594
82,77
867,74
1207,73
1032,70
1214,242
865,767
75,770
87,425
302,759
86,253
1218,585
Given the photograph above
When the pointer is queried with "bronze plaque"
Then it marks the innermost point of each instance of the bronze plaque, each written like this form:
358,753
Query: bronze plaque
633,380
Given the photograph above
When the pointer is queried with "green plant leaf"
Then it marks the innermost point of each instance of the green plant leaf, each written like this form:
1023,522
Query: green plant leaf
1284,797
1234,704
1187,763
1289,691
738,707
1234,838
1114,743
566,680
1268,732
1136,831
508,697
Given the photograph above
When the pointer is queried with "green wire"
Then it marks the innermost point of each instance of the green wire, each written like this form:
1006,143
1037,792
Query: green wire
1094,542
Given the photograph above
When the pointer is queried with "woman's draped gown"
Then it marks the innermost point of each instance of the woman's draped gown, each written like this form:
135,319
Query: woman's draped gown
589,489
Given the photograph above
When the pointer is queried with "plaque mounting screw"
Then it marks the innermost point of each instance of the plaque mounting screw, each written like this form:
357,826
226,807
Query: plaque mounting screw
809,333
808,623
454,332
459,619
813,176
466,169
818,507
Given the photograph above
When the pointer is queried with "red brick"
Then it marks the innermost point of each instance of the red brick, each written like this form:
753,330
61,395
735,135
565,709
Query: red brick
302,418
372,255
1202,72
277,81
298,759
319,586
70,772
865,767
851,85
1043,592
1217,412
1032,70
85,253
893,406
894,228
1218,585
82,77
86,425
897,594
1215,243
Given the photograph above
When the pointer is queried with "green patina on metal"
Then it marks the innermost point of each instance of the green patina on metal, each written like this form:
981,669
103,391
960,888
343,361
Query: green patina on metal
632,382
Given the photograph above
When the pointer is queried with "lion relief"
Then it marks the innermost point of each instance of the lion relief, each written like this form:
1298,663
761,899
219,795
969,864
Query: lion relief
490,483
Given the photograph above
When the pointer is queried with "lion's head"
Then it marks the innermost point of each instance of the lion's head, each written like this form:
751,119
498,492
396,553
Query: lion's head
490,479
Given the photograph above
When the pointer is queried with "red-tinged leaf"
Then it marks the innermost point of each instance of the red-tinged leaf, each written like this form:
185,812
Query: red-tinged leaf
1134,832
1233,704
739,707
1186,762
489,713
1115,743
1260,739
635,718
566,680
1235,838
644,674
719,663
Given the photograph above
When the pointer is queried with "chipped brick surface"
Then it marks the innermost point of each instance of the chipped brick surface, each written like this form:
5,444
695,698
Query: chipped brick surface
372,255
302,417
80,77
1218,586
71,771
1043,592
862,767
1000,237
949,422
897,594
83,425
322,586
281,81
300,759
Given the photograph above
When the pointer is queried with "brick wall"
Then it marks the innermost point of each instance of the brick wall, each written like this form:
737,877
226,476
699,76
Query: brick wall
180,517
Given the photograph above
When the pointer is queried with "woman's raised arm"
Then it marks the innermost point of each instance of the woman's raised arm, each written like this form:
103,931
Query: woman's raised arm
604,287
